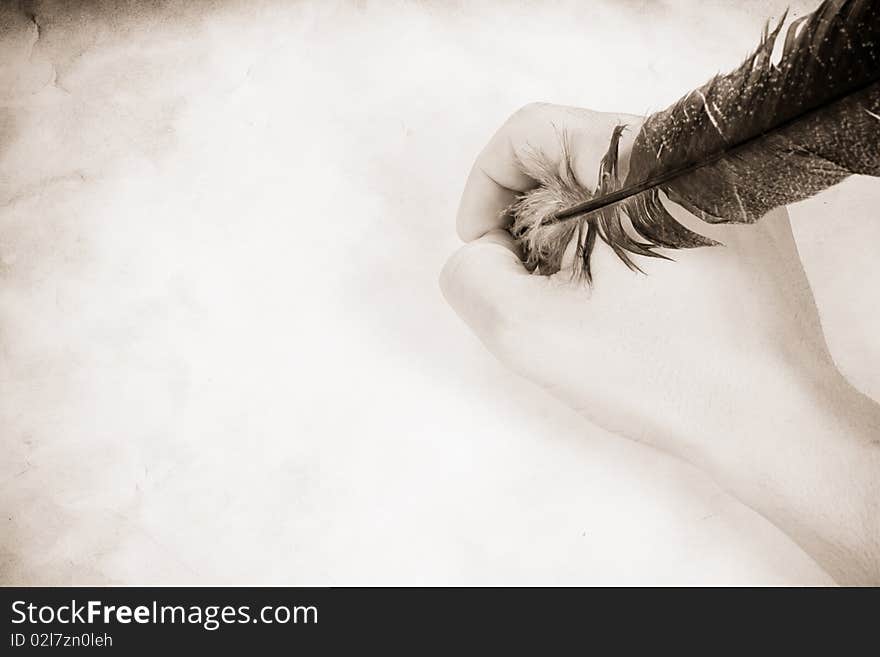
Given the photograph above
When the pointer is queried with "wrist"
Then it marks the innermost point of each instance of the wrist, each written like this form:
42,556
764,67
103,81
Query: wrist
808,459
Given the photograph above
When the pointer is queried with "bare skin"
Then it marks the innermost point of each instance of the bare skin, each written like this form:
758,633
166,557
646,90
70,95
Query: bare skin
717,358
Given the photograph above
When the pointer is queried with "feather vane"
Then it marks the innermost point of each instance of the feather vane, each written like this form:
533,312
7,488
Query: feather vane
765,135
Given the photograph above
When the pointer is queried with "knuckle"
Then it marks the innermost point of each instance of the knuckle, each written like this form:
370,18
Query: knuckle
529,112
450,270
459,270
495,313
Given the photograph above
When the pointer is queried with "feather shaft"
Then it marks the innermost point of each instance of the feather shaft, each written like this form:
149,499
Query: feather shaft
765,135
626,192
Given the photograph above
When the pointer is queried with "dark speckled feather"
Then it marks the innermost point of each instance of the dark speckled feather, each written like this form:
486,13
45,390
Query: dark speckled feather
767,134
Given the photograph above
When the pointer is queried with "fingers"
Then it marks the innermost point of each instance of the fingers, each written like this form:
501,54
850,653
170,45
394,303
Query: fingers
486,284
482,205
497,177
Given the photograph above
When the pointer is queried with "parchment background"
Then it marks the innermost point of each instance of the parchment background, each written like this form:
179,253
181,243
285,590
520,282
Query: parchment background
224,357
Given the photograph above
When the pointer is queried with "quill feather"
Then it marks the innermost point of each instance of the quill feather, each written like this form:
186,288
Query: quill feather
765,135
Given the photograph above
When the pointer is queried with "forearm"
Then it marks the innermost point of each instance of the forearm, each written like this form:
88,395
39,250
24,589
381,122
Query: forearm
809,461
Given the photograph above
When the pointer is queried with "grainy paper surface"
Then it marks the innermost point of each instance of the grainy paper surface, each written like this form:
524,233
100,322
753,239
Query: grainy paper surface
223,354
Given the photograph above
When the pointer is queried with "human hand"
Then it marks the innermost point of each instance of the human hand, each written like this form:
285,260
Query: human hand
692,354
717,358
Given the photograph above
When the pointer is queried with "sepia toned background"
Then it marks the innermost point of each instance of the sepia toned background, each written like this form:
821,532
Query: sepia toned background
224,357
